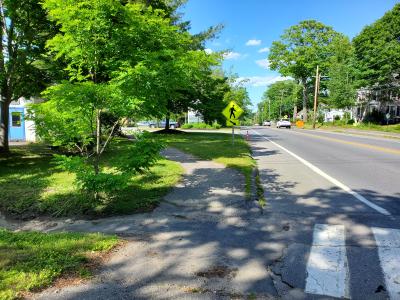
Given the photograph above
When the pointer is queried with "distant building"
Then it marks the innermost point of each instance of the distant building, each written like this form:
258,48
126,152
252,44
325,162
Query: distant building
21,129
330,114
194,117
386,101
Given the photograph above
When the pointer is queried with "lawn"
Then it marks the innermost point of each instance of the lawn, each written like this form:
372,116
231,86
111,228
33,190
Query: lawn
383,128
33,186
30,261
217,147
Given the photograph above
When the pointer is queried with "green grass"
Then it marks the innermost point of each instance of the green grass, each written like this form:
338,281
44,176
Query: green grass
383,128
32,186
30,261
217,147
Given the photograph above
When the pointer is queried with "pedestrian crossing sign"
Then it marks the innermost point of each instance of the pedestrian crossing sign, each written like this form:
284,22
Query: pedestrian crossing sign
232,113
230,123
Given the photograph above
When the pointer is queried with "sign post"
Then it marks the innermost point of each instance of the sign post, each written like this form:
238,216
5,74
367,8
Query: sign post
232,113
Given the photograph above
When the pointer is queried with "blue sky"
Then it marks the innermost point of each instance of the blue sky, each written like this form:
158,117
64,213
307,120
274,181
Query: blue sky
252,25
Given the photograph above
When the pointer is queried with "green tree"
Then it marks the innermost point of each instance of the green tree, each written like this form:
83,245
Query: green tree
105,43
239,94
377,52
279,99
300,50
210,95
340,86
24,32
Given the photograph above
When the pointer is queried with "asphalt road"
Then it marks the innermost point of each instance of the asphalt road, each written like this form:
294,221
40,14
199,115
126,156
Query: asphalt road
340,198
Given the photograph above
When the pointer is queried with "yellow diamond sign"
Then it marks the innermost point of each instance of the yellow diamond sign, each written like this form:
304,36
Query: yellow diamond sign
230,123
232,112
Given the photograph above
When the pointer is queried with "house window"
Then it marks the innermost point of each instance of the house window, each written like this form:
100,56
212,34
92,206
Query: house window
16,119
398,111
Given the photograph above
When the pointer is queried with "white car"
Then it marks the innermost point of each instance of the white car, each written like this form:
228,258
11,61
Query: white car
283,123
267,123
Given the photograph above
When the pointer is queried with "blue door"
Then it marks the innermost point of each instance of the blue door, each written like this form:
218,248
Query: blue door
16,124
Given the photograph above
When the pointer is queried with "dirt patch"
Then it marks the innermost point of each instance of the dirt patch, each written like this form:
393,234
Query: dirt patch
218,271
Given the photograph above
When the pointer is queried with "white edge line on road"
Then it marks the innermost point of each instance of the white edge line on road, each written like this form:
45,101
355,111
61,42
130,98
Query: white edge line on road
388,241
327,267
330,178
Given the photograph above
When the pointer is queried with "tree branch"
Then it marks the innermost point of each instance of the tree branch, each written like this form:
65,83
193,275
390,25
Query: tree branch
109,137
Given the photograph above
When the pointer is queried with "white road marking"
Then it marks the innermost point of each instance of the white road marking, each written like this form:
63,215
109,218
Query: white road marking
388,241
330,178
327,267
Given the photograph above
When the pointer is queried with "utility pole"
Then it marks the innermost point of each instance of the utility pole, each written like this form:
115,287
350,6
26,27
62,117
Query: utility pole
269,109
280,106
316,96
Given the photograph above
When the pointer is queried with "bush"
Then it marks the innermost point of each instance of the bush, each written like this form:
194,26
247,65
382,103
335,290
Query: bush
143,154
375,117
187,126
347,115
215,125
351,122
336,118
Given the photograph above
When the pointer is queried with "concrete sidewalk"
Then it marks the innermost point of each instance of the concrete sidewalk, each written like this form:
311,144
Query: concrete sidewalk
198,244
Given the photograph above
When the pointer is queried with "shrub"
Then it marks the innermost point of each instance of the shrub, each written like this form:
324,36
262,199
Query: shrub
351,122
143,154
375,117
347,115
336,118
215,125
187,126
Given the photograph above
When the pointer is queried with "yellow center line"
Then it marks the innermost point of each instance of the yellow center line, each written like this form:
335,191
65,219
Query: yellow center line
377,148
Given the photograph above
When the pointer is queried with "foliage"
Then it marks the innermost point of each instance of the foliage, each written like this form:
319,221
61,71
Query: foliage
377,52
32,260
68,118
141,155
214,125
87,180
23,72
211,93
239,94
300,50
280,98
341,87
33,186
374,117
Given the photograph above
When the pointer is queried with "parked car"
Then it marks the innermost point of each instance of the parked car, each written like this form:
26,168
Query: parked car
143,123
283,123
161,124
267,123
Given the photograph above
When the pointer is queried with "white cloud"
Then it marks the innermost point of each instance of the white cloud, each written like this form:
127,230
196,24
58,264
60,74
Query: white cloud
231,55
253,43
257,81
263,63
208,51
263,50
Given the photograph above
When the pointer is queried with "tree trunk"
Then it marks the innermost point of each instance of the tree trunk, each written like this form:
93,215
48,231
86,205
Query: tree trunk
4,119
167,121
98,141
304,100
